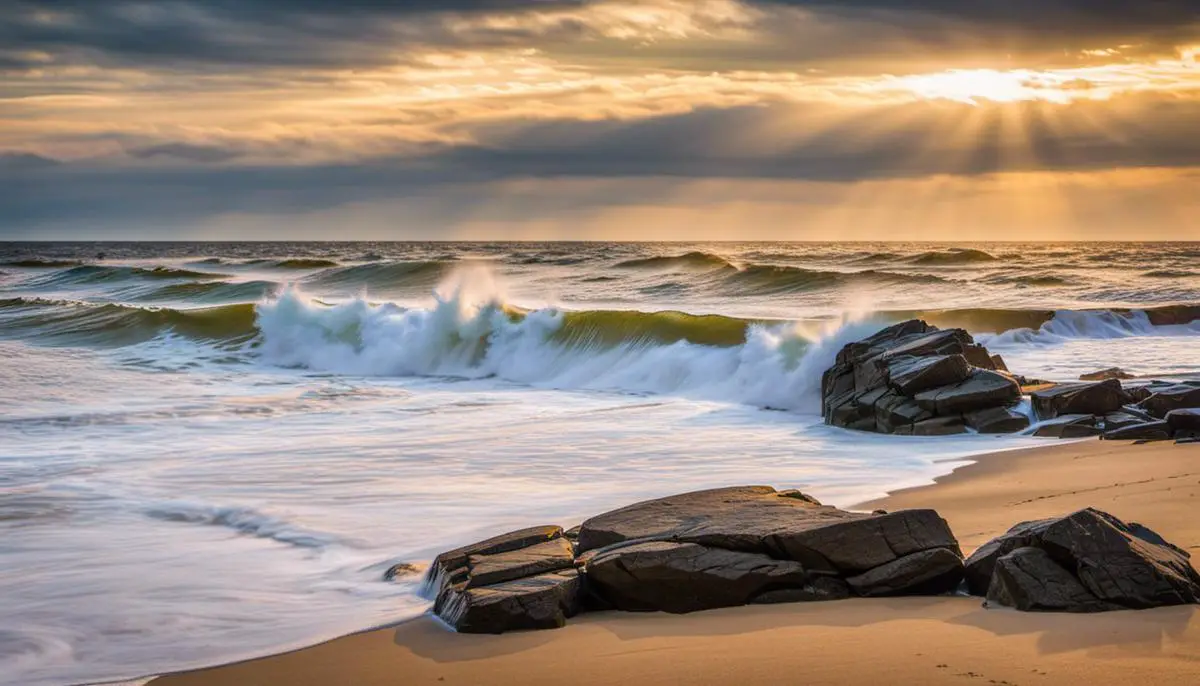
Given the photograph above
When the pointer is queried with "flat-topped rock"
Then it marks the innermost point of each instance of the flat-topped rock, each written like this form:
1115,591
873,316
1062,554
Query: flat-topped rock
1097,398
1105,374
758,519
1147,431
451,567
550,556
910,375
996,420
1069,426
1184,420
1118,565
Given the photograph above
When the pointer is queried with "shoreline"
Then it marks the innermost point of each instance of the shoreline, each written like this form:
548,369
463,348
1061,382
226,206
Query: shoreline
928,640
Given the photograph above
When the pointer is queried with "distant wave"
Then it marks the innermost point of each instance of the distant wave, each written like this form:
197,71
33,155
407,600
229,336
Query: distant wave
36,264
953,256
76,323
1048,280
211,292
688,261
305,263
1169,274
775,280
95,274
381,276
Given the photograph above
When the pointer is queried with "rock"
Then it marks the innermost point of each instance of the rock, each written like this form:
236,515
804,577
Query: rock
1069,426
1187,441
996,420
1148,431
1167,398
998,364
1137,394
758,519
910,375
939,426
551,556
401,570
980,390
1092,398
544,601
1029,580
687,577
929,572
451,566
1184,420
1119,565
1119,420
1104,374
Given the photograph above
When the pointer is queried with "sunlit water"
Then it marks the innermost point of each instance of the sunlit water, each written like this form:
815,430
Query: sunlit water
181,486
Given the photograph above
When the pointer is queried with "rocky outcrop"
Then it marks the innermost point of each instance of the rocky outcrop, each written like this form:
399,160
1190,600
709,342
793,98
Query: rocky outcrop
694,551
1085,562
913,378
752,544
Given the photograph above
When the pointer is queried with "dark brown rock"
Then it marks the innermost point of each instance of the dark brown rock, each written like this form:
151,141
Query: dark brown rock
686,577
820,588
1069,426
1184,420
1167,398
544,601
1097,398
550,556
980,390
998,364
451,566
1148,431
996,420
1120,420
1118,564
929,572
1029,580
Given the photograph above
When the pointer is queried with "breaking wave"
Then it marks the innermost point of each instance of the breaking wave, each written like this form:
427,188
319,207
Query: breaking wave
243,520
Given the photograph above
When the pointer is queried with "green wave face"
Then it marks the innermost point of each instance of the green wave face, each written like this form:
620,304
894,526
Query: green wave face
74,323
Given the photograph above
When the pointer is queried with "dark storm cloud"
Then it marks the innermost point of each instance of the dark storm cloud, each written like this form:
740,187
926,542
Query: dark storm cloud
685,146
309,33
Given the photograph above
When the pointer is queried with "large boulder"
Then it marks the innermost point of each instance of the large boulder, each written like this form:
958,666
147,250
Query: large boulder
1097,398
1110,565
1175,397
913,378
764,545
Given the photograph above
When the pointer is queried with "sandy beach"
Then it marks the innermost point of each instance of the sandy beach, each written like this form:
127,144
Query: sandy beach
900,640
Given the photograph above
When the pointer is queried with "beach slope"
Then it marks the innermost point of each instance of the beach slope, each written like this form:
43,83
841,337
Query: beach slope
880,641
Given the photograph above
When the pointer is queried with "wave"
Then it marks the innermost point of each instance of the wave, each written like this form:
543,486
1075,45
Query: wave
1045,280
243,520
212,292
99,274
694,260
305,263
776,280
776,365
38,264
953,256
1169,274
76,323
381,276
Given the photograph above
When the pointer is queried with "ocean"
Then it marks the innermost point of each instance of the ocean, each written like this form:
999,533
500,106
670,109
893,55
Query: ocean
213,451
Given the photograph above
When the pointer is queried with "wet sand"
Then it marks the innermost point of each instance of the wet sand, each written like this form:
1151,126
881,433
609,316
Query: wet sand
879,641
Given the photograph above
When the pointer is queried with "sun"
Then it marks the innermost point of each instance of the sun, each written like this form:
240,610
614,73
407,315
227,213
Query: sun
973,85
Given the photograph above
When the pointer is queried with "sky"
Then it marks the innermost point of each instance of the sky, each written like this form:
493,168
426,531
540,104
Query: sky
600,120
